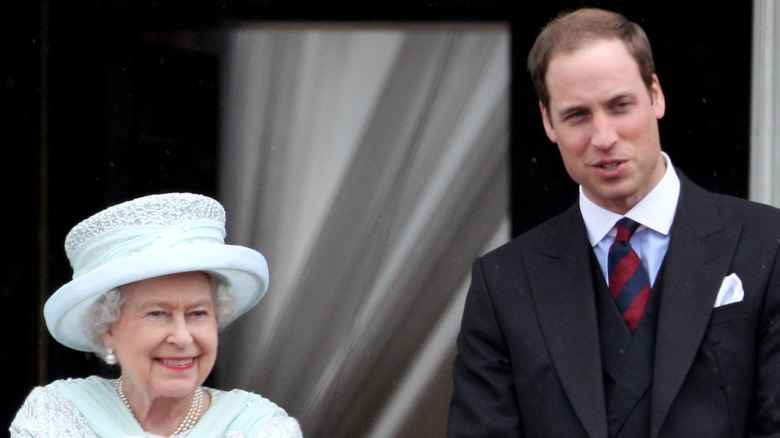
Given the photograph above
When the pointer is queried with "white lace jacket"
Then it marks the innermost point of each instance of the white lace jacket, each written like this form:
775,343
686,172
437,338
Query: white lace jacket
49,413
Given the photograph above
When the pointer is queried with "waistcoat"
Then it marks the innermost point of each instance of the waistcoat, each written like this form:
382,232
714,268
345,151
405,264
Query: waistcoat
627,360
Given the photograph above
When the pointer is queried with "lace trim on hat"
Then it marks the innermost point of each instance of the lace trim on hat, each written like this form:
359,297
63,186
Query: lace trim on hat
156,210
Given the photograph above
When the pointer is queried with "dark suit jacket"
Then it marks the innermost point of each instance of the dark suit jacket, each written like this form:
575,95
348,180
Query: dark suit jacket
529,362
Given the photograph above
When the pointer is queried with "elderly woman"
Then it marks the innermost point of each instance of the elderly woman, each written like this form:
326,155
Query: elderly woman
153,283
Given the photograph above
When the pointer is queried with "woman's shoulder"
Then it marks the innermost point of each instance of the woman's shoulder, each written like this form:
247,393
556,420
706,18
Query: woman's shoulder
278,427
51,394
46,411
250,399
259,417
85,382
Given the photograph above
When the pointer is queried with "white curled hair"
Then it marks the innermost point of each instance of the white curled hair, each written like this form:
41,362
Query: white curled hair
105,311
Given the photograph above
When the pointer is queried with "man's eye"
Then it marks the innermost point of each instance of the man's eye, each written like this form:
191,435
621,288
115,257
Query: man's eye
622,106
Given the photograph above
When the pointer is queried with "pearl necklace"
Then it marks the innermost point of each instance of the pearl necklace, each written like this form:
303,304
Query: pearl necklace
190,420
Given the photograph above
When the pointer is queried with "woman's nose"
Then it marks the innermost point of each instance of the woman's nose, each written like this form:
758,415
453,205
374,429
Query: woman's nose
180,333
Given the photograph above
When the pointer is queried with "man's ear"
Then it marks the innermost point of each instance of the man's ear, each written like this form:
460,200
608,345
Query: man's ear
659,101
548,126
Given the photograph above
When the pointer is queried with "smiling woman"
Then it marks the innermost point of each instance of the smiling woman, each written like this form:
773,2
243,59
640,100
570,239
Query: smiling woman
166,341
153,282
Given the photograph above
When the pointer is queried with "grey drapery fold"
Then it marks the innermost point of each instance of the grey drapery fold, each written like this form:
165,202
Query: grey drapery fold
370,166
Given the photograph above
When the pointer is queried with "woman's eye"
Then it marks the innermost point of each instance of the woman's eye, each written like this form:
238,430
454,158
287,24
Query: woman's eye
156,313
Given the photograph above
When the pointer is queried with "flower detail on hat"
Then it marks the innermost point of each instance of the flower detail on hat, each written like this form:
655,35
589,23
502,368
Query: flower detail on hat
145,224
154,210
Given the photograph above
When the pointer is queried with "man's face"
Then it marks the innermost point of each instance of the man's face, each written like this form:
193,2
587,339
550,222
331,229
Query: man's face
605,122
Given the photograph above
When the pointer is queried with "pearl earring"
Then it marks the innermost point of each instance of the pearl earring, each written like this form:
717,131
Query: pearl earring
110,357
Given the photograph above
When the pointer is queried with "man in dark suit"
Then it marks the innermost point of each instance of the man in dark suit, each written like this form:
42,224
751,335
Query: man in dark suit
665,325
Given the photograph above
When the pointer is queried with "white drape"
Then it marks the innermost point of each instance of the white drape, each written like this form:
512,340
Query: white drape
370,167
765,104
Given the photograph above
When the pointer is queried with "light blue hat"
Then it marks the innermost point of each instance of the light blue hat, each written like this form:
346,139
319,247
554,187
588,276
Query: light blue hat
150,237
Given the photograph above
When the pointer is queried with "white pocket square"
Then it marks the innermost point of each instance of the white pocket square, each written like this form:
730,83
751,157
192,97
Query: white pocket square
730,291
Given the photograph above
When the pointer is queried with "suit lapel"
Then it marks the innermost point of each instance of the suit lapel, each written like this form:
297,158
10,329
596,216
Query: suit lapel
567,314
699,255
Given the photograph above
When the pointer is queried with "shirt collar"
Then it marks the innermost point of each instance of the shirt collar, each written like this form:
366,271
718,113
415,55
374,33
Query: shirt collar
654,211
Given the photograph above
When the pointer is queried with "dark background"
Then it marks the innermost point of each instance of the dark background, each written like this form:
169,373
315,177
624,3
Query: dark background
100,103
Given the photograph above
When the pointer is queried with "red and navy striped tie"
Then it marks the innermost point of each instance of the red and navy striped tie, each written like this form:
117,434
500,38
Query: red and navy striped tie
628,280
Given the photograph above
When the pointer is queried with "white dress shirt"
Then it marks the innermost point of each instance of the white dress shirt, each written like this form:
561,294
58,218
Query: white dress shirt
655,213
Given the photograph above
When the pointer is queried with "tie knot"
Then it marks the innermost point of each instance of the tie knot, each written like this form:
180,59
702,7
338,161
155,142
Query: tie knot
625,229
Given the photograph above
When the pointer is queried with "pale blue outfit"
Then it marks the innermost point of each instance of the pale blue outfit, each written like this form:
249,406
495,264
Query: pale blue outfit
89,408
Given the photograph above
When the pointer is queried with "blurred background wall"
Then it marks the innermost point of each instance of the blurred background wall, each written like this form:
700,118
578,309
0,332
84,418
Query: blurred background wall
370,150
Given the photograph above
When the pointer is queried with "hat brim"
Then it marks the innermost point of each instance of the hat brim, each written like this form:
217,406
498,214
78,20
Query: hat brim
243,270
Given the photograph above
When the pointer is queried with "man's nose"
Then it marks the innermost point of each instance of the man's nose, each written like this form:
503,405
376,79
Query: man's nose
604,133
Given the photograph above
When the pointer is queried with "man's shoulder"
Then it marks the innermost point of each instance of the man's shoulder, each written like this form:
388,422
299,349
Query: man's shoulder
560,228
701,207
742,206
735,207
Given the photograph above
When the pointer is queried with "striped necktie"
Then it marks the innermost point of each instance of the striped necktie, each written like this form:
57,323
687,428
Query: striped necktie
629,283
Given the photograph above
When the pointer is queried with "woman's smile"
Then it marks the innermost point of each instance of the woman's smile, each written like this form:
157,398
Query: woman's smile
179,364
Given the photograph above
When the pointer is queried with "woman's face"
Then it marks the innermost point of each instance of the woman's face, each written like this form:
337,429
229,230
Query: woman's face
166,337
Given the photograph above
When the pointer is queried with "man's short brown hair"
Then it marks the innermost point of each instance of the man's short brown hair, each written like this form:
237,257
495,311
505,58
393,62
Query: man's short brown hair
573,30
